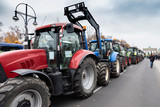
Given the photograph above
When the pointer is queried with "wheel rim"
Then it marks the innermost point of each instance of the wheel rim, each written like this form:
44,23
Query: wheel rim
87,77
28,98
117,66
107,73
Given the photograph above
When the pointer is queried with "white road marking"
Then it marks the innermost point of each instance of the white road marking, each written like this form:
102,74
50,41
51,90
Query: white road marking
124,70
97,89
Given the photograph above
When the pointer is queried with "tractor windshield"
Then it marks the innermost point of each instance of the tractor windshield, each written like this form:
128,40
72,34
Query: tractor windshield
130,49
109,45
93,46
47,39
115,47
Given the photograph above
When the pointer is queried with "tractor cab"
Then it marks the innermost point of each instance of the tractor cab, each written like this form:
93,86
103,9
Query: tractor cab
59,42
107,48
119,48
116,46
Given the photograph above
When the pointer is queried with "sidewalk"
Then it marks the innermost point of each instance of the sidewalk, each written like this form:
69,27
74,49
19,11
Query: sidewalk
157,64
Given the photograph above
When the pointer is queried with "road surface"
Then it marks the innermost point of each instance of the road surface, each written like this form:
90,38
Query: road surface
138,86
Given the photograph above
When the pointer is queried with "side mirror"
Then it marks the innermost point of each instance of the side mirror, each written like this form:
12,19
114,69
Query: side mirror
69,28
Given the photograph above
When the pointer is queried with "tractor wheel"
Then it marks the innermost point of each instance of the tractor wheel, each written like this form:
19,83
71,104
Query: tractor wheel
85,79
103,74
135,60
122,65
116,68
126,62
24,92
129,61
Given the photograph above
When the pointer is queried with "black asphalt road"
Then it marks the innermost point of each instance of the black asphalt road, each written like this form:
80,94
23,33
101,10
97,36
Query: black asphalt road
138,86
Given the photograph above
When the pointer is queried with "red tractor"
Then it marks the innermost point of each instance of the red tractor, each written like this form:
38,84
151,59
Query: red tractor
58,64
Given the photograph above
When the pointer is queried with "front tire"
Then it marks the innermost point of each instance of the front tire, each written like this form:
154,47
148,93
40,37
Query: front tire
28,92
85,78
103,74
116,68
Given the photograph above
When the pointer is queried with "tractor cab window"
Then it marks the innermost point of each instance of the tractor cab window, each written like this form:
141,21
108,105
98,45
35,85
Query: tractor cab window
131,50
109,45
122,48
47,39
69,45
116,47
93,46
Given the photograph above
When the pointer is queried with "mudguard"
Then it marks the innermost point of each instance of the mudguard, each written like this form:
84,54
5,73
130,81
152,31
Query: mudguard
79,56
23,72
96,53
41,75
113,56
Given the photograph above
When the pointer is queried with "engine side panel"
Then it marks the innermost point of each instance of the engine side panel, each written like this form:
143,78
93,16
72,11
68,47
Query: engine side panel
34,59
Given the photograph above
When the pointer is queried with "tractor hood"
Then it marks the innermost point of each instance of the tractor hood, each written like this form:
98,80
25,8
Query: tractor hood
23,59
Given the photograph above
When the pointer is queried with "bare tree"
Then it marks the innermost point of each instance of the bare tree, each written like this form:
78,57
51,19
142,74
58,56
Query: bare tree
12,35
16,30
93,37
1,38
124,42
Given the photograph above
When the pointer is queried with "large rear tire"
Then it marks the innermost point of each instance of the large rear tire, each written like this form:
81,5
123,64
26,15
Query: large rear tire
103,74
116,68
129,60
24,92
85,78
134,60
122,65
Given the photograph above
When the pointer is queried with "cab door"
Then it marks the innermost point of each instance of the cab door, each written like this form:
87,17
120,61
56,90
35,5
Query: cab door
69,45
47,39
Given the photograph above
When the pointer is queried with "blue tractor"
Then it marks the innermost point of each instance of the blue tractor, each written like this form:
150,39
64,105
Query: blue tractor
109,54
103,70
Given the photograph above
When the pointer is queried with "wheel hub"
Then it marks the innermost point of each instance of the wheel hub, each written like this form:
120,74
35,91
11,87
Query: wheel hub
24,103
84,76
87,77
27,98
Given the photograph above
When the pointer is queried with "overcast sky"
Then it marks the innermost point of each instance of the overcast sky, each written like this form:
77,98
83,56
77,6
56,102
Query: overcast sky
136,21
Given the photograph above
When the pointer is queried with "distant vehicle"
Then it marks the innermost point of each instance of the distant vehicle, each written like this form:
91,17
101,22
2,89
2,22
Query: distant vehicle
9,47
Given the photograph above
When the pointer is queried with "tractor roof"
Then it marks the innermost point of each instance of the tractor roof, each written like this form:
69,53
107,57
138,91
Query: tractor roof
56,25
102,40
133,47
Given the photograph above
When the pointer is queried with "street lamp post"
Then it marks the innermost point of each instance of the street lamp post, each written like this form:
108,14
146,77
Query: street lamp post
26,20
